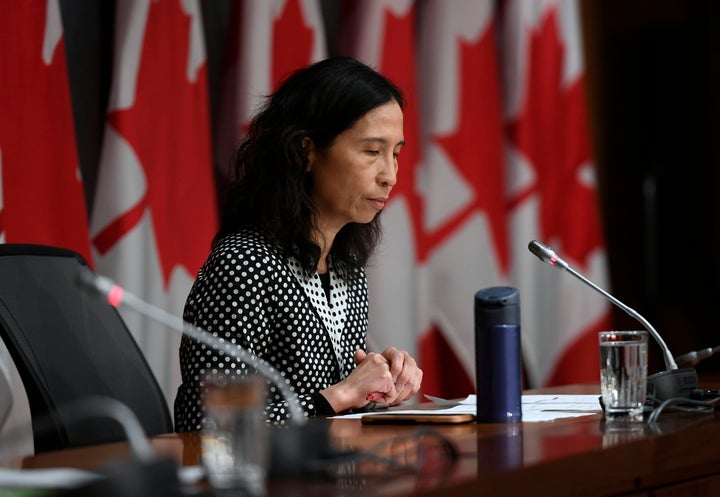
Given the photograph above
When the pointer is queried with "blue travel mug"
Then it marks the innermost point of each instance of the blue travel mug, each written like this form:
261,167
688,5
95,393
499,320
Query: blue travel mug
498,355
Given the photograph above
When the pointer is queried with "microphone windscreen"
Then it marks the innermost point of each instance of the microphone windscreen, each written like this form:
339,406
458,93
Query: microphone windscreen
541,251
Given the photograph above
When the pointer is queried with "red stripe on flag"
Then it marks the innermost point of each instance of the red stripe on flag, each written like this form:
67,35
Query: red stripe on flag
42,192
579,362
443,375
287,57
169,108
114,231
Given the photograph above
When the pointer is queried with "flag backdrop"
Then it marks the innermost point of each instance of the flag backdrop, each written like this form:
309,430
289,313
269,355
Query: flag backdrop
465,205
552,190
41,192
267,40
381,34
498,153
154,213
463,180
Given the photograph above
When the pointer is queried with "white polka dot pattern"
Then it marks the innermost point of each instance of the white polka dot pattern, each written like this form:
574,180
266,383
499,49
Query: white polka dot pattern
249,294
332,313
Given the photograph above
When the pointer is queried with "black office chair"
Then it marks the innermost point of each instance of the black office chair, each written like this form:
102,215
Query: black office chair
68,344
6,396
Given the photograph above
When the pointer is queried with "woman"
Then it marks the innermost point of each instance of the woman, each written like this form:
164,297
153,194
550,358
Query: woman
285,278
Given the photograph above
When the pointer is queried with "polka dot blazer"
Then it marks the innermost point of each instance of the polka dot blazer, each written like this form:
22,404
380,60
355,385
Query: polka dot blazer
248,293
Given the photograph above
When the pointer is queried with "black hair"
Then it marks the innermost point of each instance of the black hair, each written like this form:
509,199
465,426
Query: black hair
271,188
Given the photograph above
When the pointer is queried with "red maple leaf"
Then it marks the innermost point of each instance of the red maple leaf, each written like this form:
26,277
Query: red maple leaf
551,132
42,195
292,42
168,127
475,147
397,63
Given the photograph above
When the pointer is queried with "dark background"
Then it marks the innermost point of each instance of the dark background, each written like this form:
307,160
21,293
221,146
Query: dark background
653,80
654,85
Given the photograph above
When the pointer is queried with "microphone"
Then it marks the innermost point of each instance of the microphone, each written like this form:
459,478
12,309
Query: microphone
143,473
300,448
107,407
546,254
667,384
692,358
116,295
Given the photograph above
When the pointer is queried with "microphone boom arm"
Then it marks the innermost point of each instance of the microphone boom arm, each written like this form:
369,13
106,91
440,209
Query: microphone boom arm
669,360
117,296
546,254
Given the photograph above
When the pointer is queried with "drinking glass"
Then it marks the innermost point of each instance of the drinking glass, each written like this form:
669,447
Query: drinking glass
623,373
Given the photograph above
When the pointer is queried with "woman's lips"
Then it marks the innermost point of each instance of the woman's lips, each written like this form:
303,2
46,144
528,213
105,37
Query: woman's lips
379,203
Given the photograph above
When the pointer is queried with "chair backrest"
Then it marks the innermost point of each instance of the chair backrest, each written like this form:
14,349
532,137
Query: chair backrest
6,394
69,344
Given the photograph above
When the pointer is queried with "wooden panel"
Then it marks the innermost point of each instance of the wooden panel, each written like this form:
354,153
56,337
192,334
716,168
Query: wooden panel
582,456
704,487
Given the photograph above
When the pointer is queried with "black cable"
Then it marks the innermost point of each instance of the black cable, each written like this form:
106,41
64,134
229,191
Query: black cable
702,407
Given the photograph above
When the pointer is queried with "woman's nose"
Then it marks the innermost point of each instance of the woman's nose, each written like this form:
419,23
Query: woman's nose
388,174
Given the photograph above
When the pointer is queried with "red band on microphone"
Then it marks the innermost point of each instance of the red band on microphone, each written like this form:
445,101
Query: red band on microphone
115,296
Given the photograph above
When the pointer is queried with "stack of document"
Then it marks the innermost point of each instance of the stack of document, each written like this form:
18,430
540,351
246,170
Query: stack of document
534,407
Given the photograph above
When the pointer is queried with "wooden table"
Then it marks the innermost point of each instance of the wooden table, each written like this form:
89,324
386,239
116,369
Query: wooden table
680,455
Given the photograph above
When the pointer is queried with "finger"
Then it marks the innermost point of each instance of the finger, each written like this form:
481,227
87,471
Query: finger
418,381
385,388
417,384
408,372
360,356
396,359
403,393
408,389
391,396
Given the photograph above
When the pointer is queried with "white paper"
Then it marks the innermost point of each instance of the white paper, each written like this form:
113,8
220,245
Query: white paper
45,478
534,407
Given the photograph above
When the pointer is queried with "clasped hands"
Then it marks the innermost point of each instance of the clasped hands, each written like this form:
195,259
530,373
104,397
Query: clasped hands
390,377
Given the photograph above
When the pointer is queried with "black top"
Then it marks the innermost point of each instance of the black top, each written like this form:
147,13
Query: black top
248,293
325,280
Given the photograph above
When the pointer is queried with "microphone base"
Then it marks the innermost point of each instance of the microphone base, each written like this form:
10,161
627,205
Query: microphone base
300,449
131,478
673,383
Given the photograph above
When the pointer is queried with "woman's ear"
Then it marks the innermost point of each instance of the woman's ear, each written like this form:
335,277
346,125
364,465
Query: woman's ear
309,148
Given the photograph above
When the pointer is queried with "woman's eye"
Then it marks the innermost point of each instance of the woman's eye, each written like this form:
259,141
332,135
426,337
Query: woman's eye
373,152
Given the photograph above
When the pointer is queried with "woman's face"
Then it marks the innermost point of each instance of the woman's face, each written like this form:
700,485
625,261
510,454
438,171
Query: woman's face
353,177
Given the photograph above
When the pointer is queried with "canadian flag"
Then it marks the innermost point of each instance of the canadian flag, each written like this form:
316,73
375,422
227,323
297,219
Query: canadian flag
381,33
267,40
155,215
456,190
552,189
463,182
444,227
41,191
